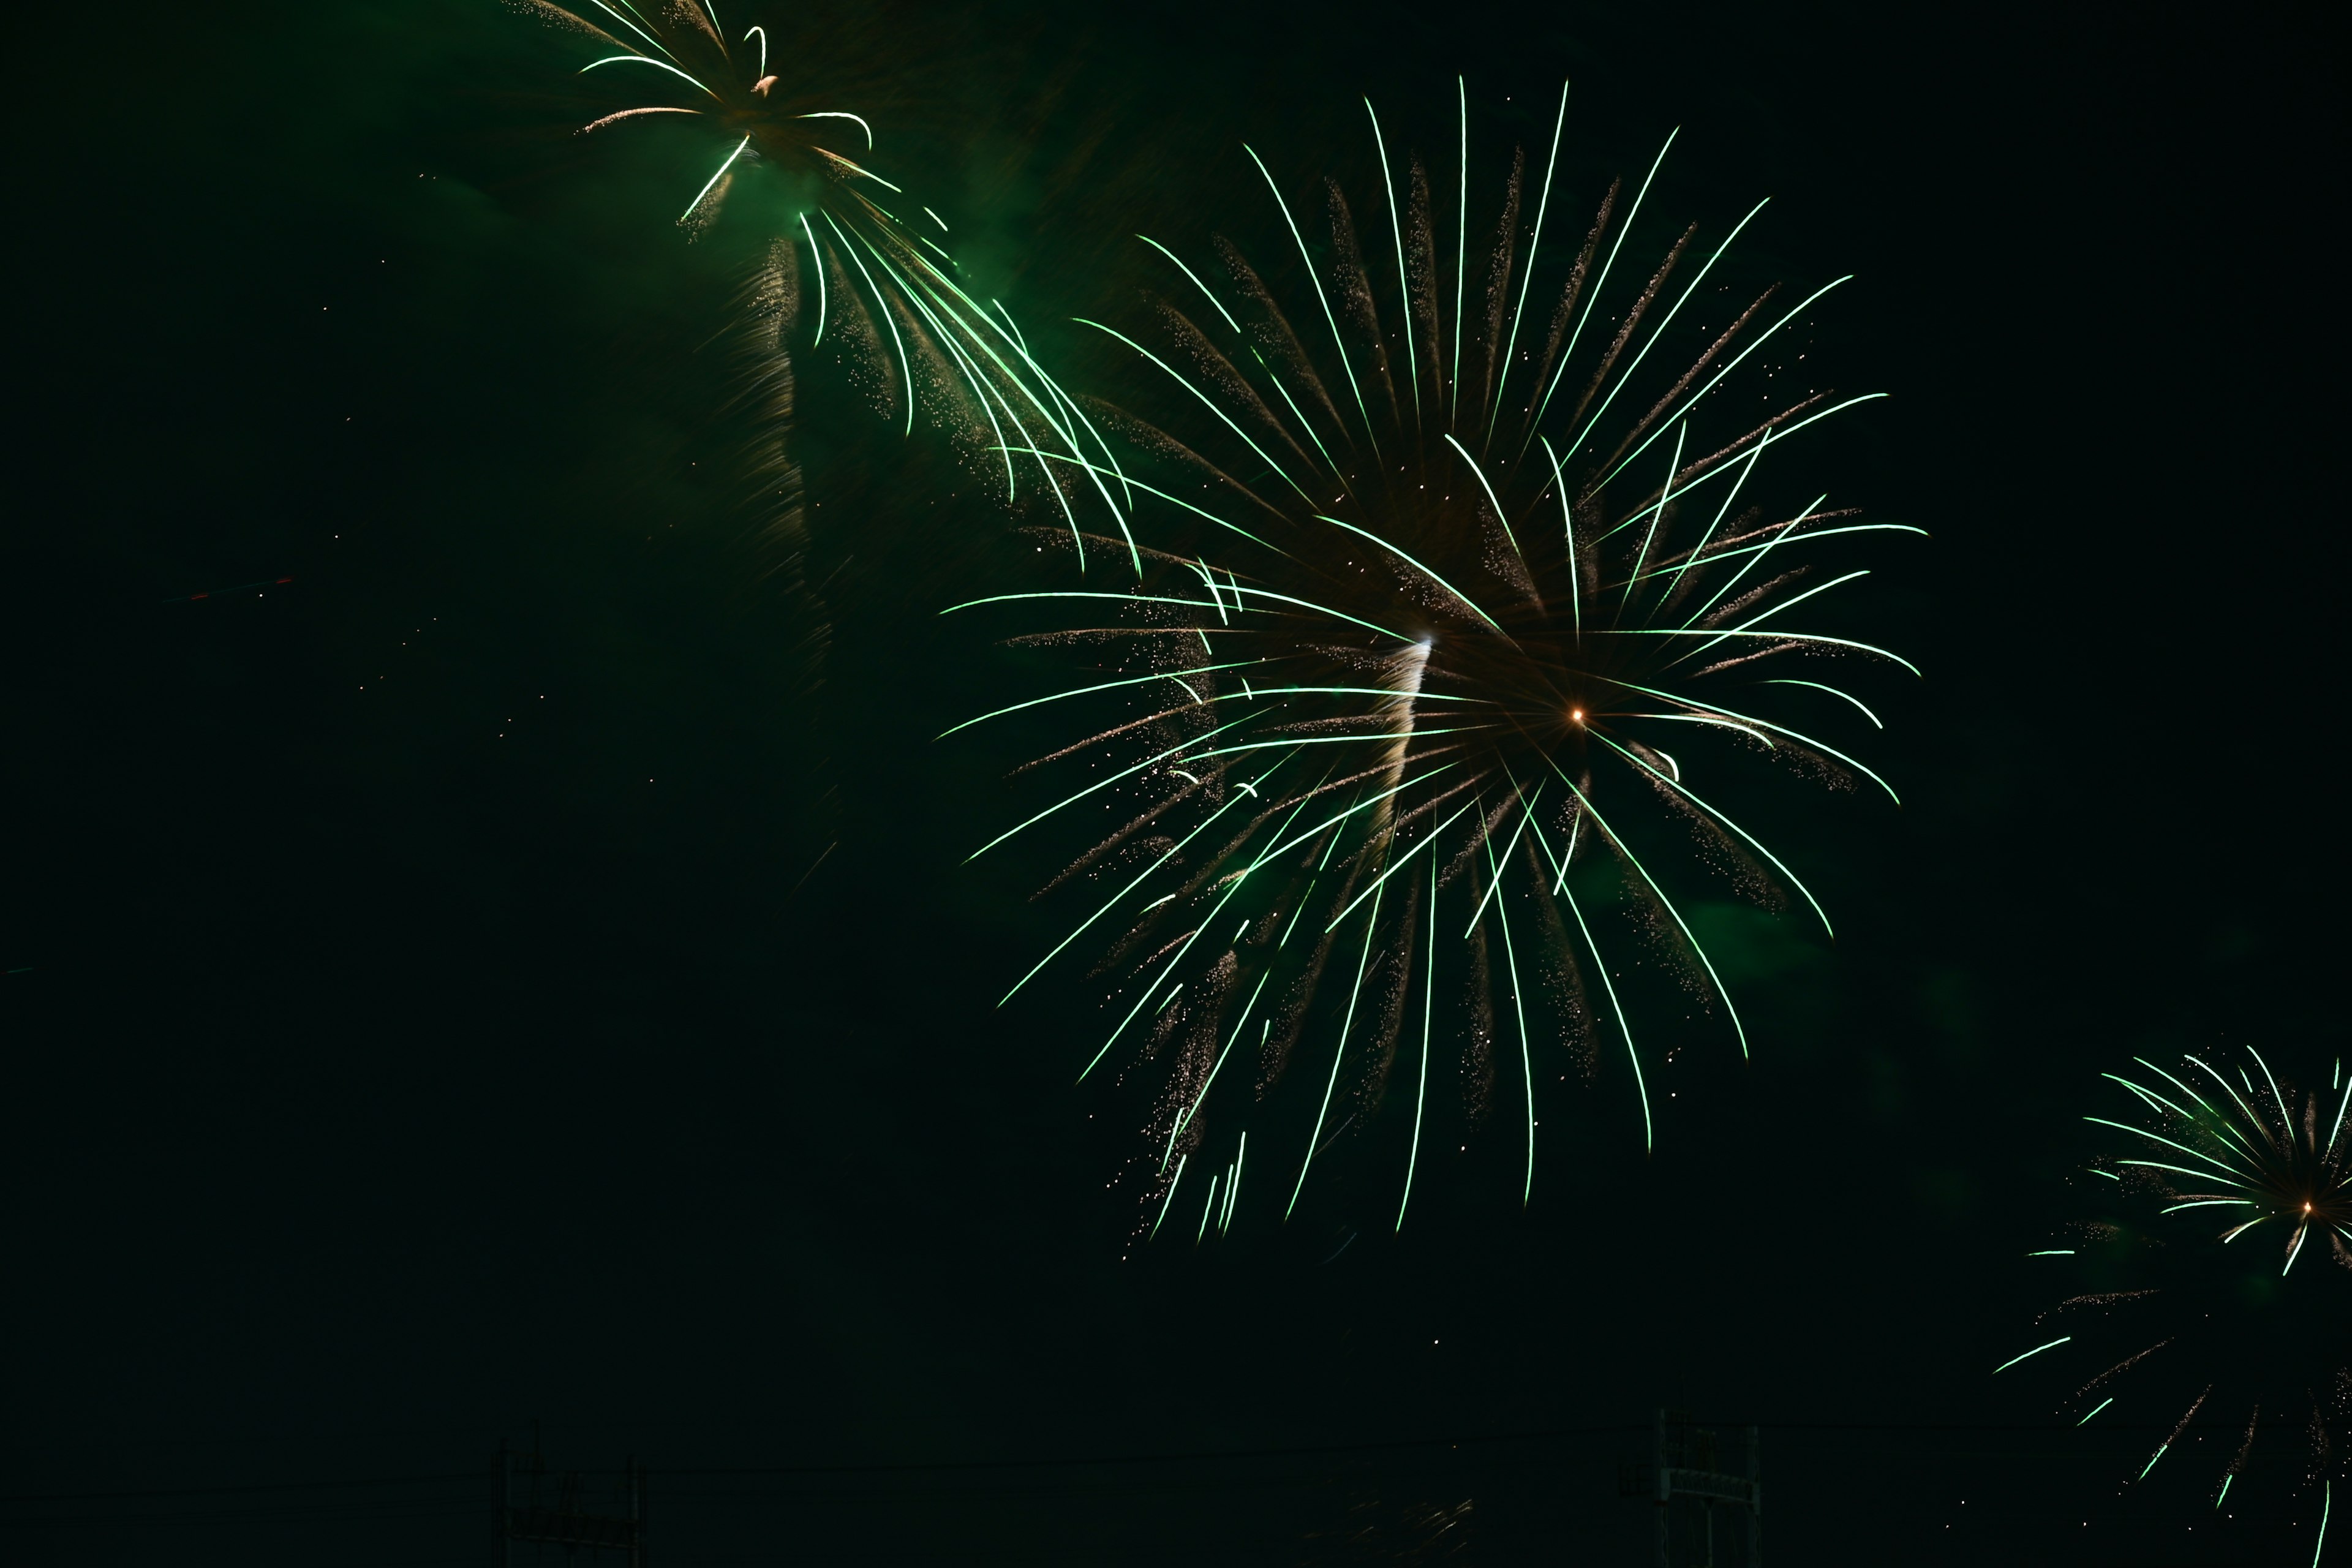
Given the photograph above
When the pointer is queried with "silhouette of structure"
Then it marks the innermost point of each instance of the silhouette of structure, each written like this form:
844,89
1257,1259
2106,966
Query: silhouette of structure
568,1511
1709,1499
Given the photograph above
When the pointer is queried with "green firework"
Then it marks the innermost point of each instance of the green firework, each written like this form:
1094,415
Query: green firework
1459,569
2211,1279
851,247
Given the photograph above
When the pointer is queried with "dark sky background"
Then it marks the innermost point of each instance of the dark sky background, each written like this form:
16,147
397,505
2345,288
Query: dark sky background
422,1019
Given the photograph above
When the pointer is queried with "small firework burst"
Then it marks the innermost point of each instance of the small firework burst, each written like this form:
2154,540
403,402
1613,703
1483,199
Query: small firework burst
2215,1283
849,247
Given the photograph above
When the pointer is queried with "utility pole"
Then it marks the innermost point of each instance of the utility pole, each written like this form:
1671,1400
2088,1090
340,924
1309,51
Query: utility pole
569,1514
1709,1500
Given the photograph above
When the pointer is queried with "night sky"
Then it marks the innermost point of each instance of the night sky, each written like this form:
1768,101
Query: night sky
494,965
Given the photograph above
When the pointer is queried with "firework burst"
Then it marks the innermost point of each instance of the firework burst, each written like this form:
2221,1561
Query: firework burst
851,247
1461,571
2217,1282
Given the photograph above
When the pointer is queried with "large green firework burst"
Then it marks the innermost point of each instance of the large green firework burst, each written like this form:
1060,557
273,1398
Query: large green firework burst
1460,608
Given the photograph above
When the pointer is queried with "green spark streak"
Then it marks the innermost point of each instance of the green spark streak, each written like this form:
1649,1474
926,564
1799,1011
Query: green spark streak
1188,272
2276,1098
2327,1501
1425,840
969,369
1527,276
1749,838
1659,331
889,319
968,337
1404,284
1833,691
1231,887
1717,379
1208,401
1084,594
1326,610
948,286
1575,568
1777,636
1284,849
715,178
1461,253
1683,926
1719,711
1721,512
1020,346
1208,1208
1231,801
1775,542
1500,515
1339,1051
2225,1492
1233,1190
816,259
1568,355
1763,615
1089,691
2201,1175
2218,1170
843,115
1493,878
2250,1117
2053,1252
1518,1005
2037,1350
1253,693
1339,740
1149,761
1658,515
1782,532
2337,1130
1709,722
763,33
1210,1082
1202,573
642,34
859,169
1561,890
1304,423
2102,1404
1169,1198
2152,1458
1667,496
2222,1125
1321,297
1428,1009
1469,602
644,60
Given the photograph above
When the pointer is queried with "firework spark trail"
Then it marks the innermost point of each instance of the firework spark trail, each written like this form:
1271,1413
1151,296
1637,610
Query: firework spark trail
2240,1333
1489,598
